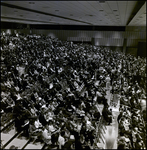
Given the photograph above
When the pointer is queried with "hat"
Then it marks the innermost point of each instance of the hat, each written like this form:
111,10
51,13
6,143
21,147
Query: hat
101,76
43,106
88,122
136,129
122,138
127,139
39,98
72,137
143,96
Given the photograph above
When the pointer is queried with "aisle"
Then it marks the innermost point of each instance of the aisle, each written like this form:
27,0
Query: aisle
111,133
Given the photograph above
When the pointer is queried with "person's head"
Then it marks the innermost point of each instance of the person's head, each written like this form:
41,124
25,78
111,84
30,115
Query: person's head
50,122
33,119
19,102
54,138
135,129
62,133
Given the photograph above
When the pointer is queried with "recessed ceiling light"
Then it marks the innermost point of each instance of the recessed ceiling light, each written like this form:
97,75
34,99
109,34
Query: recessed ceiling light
114,10
71,14
56,10
101,1
101,10
31,3
45,7
100,20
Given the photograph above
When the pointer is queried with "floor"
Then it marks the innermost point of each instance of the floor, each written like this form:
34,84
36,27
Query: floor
111,131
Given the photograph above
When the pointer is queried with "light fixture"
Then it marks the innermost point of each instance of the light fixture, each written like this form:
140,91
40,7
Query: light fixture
45,7
31,3
101,1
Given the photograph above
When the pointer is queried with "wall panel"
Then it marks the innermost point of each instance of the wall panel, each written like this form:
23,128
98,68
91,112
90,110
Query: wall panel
107,38
132,42
132,51
108,42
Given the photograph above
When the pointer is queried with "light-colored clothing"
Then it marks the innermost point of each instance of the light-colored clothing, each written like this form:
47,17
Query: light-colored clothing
46,136
38,124
51,128
61,140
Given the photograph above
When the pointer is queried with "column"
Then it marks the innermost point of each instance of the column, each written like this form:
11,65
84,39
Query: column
124,45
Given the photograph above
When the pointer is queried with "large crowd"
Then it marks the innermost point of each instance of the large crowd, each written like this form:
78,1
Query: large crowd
52,88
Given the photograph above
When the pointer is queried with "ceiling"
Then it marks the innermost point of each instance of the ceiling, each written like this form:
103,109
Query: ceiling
103,13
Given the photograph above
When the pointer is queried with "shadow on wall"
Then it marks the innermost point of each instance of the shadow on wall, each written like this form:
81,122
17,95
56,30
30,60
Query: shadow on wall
132,51
141,49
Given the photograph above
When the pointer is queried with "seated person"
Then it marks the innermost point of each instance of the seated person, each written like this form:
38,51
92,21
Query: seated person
107,115
46,134
42,119
54,138
121,146
20,114
35,128
61,139
97,115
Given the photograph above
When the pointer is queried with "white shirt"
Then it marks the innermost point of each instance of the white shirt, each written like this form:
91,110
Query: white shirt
51,128
61,140
46,135
107,79
37,124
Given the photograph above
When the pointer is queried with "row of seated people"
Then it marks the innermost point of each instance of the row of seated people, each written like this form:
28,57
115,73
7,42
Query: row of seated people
131,119
47,125
132,126
45,71
34,99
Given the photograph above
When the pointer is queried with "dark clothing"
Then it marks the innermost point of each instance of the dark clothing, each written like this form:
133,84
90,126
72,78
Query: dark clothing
67,145
119,117
121,146
78,145
54,138
106,116
97,116
42,119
